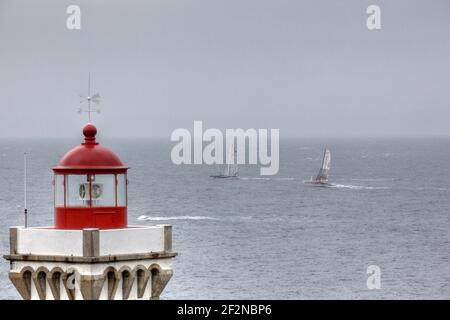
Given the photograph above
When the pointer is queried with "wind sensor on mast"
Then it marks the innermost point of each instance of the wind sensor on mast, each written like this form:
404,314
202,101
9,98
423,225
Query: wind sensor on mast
95,98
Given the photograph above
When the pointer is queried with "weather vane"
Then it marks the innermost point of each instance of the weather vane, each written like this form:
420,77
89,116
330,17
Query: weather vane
90,98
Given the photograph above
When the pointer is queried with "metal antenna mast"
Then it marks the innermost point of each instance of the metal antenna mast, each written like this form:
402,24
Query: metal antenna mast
25,210
90,98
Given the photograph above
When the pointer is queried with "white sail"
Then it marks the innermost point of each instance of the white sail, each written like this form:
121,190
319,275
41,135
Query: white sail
231,169
322,176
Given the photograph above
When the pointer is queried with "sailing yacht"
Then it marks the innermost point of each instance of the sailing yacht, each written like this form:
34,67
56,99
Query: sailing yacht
322,177
231,168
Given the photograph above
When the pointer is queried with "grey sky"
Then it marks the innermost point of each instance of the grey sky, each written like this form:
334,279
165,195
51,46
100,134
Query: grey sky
306,67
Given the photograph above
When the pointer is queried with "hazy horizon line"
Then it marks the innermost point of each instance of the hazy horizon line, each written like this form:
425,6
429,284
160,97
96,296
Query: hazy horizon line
288,136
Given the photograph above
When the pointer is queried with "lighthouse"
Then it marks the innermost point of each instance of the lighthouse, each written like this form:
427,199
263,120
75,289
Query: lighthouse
91,252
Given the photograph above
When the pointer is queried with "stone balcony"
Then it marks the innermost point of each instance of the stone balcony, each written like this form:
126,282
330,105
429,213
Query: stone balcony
129,263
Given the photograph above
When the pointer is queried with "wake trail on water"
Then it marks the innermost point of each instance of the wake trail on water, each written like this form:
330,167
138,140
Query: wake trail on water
373,179
349,186
161,218
433,189
149,218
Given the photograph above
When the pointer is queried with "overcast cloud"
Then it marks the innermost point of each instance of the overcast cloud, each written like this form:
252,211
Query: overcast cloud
305,67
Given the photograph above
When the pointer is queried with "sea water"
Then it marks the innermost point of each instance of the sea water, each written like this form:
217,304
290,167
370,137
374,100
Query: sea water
273,237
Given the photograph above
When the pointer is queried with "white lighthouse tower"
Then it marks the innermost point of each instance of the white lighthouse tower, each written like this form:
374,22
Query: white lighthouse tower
91,252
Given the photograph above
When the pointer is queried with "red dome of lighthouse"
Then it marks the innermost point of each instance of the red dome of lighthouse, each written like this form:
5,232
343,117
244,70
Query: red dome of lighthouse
90,155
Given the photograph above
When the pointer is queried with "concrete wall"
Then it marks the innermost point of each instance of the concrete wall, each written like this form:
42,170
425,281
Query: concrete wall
90,242
130,263
137,239
42,241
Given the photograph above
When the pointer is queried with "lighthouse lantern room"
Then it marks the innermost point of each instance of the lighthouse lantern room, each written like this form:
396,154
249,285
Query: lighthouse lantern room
90,187
91,252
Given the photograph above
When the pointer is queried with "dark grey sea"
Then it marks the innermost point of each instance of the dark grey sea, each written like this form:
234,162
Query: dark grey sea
273,237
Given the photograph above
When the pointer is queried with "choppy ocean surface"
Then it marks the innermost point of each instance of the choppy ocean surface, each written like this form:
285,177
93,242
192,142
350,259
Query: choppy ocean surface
272,237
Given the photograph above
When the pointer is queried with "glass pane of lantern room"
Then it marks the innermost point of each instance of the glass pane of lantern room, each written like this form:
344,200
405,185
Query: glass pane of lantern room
77,191
103,190
59,190
121,190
